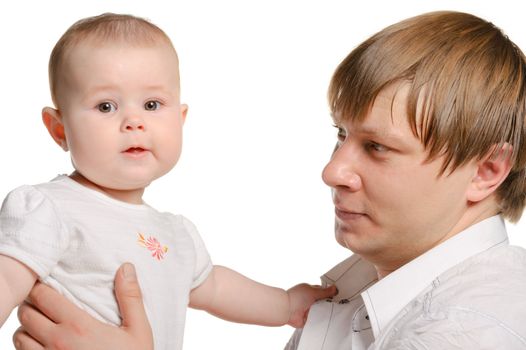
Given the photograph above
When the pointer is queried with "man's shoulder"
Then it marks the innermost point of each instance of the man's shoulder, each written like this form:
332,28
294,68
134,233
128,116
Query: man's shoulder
500,257
487,283
504,265
481,300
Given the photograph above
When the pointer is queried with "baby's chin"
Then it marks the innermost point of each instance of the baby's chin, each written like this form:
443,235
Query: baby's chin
120,180
129,193
110,184
138,185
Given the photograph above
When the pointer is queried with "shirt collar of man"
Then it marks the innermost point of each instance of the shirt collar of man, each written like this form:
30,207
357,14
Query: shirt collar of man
385,298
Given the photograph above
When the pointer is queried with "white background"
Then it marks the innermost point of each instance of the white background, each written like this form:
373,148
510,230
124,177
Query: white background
257,135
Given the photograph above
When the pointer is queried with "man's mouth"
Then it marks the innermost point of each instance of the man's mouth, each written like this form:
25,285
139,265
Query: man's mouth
346,214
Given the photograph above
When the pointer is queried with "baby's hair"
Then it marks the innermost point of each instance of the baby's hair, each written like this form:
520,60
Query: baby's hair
103,29
468,80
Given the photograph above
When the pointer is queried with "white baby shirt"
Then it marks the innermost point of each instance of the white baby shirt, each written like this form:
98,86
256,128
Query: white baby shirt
75,239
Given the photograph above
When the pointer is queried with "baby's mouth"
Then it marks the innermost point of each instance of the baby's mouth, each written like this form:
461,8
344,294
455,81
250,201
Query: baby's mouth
135,150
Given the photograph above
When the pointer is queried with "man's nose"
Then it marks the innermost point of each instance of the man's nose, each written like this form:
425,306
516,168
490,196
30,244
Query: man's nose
341,169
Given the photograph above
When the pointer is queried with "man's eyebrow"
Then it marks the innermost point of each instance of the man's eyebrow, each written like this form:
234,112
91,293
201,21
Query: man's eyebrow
383,134
371,131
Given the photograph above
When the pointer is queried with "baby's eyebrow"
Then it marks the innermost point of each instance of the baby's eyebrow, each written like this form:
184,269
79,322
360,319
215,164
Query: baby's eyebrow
89,93
155,88
100,88
103,87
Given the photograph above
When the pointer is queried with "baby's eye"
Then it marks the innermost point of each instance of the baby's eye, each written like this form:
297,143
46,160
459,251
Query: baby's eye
152,105
107,107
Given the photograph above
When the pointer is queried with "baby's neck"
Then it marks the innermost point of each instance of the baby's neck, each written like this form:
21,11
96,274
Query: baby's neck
133,196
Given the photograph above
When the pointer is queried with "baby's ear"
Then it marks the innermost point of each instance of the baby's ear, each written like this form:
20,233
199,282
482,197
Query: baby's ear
53,122
184,111
491,171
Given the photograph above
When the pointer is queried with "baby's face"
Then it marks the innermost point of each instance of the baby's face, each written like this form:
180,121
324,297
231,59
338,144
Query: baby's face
121,113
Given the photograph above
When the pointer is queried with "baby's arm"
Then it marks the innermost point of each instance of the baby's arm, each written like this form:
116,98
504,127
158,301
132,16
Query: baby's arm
234,297
16,280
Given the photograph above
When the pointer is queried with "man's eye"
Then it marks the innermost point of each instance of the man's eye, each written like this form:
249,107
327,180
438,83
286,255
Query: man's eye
106,107
341,133
376,147
152,105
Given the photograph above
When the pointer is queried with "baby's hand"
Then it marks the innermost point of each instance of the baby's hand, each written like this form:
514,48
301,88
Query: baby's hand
301,297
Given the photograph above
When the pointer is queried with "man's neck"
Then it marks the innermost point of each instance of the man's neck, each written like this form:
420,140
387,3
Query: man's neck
474,214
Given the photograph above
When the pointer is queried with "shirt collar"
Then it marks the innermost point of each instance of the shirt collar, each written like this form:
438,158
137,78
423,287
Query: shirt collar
385,298
352,276
392,293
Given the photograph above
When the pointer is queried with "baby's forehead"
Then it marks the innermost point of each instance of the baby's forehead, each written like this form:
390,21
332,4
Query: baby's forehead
113,29
94,41
100,34
92,48
95,68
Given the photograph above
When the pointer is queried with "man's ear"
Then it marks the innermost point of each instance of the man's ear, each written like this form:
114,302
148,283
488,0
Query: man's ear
53,122
491,171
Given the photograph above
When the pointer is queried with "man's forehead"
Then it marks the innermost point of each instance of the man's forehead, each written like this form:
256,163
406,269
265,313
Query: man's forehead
386,116
372,123
379,129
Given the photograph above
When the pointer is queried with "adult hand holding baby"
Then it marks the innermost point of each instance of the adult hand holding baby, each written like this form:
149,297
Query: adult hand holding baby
61,325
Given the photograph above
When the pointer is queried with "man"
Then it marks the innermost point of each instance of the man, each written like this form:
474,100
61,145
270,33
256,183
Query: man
431,155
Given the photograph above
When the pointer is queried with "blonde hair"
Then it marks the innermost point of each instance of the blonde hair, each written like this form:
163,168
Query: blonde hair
467,79
103,29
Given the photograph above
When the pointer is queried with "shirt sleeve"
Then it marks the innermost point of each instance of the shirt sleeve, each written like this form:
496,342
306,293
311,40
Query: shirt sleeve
203,263
30,230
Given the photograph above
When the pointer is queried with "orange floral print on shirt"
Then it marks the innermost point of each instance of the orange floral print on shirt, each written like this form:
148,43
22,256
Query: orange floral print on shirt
153,245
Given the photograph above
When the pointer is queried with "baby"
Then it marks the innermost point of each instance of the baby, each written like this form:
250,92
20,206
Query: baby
115,85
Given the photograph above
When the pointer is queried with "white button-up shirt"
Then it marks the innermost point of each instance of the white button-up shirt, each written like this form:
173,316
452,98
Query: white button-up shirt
467,293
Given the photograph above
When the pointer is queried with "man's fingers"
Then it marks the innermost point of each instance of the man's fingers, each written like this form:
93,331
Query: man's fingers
23,341
35,323
52,304
129,297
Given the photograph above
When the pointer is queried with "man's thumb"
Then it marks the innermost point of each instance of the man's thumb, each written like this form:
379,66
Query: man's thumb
129,298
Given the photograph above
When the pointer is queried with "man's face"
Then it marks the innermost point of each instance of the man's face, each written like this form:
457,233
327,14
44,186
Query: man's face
391,204
121,113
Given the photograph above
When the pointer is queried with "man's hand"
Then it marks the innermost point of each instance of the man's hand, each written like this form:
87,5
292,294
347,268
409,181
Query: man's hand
301,297
50,321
